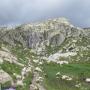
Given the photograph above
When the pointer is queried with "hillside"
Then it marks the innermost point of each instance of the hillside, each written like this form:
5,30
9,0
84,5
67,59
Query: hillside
49,55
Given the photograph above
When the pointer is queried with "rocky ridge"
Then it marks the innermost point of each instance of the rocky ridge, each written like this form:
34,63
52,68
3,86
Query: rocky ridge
51,32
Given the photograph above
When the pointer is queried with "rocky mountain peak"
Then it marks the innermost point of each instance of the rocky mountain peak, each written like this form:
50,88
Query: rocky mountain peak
51,32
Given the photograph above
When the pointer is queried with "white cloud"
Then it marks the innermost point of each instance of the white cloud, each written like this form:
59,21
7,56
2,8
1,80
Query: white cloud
20,11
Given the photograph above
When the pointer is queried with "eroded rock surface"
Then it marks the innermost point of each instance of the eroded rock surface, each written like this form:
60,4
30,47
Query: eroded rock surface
50,32
4,77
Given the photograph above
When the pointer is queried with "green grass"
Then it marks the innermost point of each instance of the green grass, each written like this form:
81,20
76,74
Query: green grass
7,84
21,53
11,68
77,71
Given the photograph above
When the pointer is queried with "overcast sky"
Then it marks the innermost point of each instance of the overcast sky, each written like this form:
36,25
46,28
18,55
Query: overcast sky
25,11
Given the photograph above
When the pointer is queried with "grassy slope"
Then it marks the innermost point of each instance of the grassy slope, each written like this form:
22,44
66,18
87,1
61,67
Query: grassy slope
11,68
21,54
77,71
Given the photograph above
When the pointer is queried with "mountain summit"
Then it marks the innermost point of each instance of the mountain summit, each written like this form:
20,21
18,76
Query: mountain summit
51,32
50,55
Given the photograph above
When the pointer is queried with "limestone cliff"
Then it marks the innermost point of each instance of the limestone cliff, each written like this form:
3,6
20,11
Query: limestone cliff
51,32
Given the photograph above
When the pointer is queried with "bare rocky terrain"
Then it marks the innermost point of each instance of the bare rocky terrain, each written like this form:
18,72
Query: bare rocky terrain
49,55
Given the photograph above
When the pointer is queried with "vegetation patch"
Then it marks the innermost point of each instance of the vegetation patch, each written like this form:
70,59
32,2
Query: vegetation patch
78,72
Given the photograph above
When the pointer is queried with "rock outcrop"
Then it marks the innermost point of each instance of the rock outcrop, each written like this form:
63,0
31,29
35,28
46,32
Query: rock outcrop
51,32
87,32
4,77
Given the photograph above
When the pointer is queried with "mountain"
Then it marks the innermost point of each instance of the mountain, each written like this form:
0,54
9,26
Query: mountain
49,55
49,32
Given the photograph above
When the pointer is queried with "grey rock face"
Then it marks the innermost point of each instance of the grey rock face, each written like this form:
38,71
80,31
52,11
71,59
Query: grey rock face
87,32
50,32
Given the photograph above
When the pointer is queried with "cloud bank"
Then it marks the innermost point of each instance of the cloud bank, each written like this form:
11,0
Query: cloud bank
25,11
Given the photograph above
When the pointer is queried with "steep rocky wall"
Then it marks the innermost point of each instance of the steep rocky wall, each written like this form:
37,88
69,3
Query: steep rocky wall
50,32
